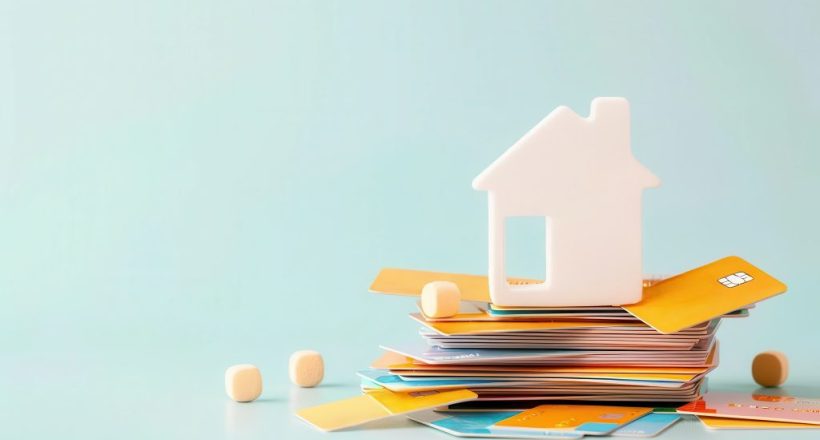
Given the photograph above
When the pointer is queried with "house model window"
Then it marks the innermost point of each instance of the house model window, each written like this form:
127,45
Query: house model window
580,174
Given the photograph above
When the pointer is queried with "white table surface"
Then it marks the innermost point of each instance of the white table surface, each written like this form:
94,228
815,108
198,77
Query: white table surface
124,396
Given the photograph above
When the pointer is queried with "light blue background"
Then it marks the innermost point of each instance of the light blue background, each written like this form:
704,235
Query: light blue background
189,185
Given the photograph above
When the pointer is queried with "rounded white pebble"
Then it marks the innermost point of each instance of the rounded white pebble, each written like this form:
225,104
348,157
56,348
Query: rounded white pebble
307,368
440,299
243,382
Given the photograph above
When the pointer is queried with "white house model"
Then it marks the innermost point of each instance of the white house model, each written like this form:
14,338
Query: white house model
578,173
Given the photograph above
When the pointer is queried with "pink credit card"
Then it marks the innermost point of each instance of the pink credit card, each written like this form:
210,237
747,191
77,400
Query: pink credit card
755,407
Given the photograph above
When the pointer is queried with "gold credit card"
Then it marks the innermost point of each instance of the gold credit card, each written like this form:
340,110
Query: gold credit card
377,404
704,293
410,282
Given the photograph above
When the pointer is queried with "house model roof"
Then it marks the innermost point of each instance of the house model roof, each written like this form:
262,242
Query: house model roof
568,152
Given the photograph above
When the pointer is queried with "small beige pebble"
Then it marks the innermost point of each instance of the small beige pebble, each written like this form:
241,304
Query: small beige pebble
770,368
243,383
440,299
306,368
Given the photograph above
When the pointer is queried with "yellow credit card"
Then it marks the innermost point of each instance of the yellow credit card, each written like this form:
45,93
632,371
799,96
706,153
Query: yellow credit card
392,281
585,419
410,282
388,359
400,403
726,423
453,328
377,404
704,293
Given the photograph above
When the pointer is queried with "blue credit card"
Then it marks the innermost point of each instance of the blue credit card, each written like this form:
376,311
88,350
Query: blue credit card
479,424
649,425
437,355
393,382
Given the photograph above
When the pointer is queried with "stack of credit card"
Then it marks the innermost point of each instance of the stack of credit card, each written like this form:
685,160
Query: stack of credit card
658,351
560,372
596,363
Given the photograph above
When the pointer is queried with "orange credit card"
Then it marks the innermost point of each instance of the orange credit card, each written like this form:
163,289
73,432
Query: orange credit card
704,293
582,419
482,327
725,423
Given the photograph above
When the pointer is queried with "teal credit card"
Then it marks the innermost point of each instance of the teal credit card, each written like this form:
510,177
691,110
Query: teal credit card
396,383
649,425
479,424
